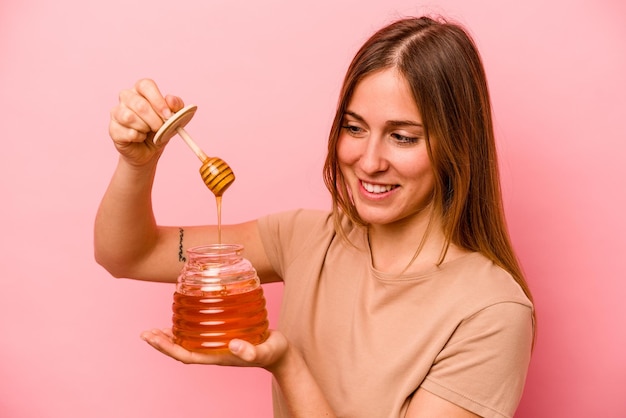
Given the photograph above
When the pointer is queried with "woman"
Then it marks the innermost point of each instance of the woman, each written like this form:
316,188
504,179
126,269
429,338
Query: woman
407,298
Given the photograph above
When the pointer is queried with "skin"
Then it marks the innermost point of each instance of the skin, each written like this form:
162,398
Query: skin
383,157
129,242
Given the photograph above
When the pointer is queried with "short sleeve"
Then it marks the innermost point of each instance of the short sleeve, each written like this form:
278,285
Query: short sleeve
285,235
483,366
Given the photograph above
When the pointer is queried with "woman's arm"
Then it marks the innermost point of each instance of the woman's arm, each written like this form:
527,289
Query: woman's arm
125,231
426,405
128,242
301,392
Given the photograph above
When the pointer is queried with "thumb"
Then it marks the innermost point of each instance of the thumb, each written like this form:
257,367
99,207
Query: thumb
175,103
242,349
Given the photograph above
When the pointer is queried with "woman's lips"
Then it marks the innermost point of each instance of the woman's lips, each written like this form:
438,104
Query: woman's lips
377,188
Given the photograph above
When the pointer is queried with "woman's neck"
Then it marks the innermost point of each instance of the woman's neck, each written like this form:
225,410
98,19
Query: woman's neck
409,247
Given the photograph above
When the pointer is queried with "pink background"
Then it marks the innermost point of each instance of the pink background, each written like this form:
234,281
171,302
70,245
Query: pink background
265,76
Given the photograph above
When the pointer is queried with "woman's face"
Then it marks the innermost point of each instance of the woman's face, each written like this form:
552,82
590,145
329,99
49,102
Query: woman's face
382,152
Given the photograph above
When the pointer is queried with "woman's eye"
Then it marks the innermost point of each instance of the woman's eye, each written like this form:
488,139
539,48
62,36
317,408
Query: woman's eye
352,129
404,139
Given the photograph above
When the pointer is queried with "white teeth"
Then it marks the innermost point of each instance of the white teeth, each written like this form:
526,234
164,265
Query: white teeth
376,188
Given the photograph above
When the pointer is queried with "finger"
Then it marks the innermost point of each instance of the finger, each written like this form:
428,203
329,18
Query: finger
123,134
155,337
136,111
148,89
270,352
163,343
168,332
174,102
243,349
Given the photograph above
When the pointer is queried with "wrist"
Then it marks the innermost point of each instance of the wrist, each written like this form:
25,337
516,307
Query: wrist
141,164
132,169
287,364
300,391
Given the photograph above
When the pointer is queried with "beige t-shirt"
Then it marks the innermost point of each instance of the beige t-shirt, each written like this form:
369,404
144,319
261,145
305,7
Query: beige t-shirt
463,331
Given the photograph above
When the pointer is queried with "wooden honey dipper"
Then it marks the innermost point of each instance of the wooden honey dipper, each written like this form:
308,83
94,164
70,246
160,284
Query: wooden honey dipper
216,174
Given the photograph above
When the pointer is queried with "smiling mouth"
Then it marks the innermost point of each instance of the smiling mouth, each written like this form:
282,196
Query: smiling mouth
378,188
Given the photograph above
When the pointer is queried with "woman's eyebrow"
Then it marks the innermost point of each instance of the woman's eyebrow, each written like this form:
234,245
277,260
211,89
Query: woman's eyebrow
392,123
395,123
354,115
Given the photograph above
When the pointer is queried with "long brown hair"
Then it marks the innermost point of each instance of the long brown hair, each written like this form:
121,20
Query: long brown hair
442,65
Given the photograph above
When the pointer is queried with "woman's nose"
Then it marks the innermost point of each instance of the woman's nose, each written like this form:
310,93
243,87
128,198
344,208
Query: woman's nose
373,159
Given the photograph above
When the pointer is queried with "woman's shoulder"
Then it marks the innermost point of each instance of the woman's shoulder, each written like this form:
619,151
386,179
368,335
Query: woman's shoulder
296,228
477,279
297,218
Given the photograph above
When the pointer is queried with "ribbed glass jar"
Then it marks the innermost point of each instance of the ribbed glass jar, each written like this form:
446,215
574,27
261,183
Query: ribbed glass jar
218,298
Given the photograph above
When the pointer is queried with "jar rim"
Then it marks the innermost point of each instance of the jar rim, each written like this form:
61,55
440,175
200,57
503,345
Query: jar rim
215,249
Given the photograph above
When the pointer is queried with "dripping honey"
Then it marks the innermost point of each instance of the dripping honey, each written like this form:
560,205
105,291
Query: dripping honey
218,202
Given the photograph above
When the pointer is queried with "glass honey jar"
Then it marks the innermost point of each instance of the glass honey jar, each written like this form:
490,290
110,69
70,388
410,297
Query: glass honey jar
218,298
